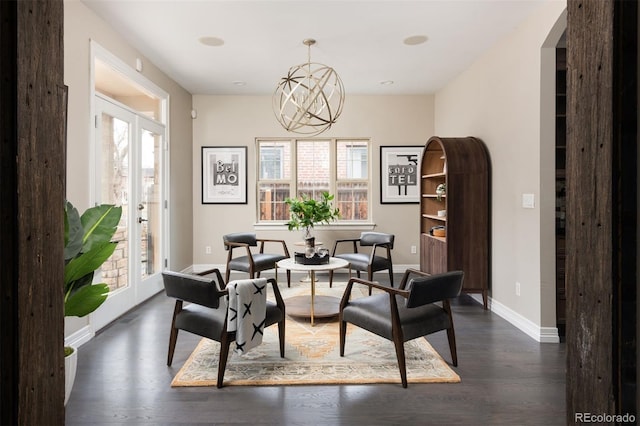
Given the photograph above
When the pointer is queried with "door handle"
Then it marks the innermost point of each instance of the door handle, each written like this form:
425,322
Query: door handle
140,220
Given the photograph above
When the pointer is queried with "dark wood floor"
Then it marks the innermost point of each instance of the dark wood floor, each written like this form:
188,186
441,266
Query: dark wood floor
507,379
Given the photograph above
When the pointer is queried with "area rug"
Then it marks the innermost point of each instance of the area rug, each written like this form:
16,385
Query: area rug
312,356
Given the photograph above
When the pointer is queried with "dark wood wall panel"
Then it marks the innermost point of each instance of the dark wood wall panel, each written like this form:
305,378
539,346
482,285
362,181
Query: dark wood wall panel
601,165
33,184
8,209
589,228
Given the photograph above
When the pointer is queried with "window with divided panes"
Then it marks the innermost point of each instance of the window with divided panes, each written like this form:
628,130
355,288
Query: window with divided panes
293,167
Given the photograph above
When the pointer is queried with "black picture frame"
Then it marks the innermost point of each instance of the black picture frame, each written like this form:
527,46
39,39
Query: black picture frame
224,175
399,174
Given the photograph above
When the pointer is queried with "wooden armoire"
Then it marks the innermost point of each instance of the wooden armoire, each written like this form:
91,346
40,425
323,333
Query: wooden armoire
463,211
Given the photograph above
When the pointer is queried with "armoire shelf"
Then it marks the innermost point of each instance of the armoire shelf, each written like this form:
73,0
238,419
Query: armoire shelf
462,164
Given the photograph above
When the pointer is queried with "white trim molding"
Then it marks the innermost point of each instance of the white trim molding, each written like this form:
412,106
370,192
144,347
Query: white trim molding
539,334
80,337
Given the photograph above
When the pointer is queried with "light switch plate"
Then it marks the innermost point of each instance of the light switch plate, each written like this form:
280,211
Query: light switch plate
528,201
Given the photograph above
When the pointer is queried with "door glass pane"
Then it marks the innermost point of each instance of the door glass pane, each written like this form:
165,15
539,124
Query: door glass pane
150,203
115,144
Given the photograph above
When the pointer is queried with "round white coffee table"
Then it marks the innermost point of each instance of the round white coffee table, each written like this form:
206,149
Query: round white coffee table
313,306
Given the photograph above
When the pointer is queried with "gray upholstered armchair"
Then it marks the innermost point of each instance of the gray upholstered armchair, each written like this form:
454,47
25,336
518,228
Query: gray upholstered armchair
405,313
247,261
367,262
206,316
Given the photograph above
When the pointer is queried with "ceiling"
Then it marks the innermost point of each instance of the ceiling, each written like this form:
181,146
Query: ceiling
362,40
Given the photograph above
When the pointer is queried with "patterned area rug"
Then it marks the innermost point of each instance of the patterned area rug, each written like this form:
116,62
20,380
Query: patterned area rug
312,355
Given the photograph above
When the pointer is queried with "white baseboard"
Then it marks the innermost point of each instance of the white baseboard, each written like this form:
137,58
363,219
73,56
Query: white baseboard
80,337
539,334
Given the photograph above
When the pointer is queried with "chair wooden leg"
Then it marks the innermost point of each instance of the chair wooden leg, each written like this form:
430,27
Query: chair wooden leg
330,279
173,338
225,342
343,335
173,335
281,336
391,276
227,274
289,278
451,335
401,360
370,278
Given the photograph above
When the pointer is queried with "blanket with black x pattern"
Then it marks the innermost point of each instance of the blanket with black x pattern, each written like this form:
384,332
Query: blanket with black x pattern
247,312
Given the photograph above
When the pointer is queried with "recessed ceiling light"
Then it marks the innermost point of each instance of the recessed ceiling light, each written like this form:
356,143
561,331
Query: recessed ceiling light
386,82
240,83
211,41
414,40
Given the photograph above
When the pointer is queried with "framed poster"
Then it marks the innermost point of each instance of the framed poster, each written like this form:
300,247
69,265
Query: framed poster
399,169
224,175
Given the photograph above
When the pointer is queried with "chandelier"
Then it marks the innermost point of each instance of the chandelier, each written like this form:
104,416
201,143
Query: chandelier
310,98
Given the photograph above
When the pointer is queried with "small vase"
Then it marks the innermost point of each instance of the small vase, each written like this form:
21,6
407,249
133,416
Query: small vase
309,246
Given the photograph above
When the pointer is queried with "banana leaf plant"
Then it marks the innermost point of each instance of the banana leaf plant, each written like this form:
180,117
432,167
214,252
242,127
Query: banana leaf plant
87,245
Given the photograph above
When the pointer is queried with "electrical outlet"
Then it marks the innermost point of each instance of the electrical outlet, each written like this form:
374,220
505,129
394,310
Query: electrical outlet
207,250
517,288
413,250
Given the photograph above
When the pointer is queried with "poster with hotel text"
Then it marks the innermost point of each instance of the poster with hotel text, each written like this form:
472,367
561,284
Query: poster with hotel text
399,174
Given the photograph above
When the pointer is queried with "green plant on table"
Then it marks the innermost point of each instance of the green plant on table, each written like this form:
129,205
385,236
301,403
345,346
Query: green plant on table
306,212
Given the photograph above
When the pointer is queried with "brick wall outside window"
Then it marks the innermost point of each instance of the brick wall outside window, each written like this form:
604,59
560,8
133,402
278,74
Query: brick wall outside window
340,166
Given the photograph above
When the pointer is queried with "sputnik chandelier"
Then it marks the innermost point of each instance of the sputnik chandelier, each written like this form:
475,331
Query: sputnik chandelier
310,98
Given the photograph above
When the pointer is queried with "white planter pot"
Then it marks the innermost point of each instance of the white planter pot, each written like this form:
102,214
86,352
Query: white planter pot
70,366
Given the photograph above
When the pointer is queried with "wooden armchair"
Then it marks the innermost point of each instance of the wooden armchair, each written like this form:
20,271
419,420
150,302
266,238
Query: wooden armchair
252,263
405,313
367,262
205,314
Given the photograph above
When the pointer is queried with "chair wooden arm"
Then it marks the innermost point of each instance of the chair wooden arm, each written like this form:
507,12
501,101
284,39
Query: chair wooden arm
373,251
231,245
277,295
346,240
213,271
407,273
375,284
268,240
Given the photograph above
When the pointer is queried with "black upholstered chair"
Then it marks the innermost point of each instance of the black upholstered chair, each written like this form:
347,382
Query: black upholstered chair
205,314
247,261
405,313
367,262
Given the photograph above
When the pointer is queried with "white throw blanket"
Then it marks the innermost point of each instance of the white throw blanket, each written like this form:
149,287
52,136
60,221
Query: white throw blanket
247,312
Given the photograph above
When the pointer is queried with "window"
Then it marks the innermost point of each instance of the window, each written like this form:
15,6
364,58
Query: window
291,168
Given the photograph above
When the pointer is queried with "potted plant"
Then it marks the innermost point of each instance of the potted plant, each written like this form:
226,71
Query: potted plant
87,244
306,212
441,190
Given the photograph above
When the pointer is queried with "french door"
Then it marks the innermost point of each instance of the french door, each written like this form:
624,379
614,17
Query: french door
129,158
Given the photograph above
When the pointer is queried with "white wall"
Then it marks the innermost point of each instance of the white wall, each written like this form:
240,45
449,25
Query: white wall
238,120
499,100
80,26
